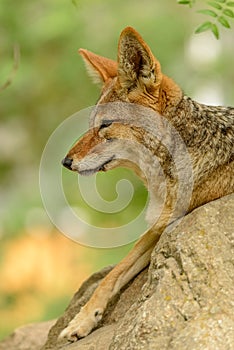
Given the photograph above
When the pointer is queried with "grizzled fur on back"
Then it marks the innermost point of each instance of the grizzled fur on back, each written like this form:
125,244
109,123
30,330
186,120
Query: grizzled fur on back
207,126
208,132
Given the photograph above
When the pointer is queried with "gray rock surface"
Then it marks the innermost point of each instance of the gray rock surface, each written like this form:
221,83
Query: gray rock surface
188,300
29,337
185,300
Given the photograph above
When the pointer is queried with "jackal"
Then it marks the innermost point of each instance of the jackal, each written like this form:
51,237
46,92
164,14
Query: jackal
131,139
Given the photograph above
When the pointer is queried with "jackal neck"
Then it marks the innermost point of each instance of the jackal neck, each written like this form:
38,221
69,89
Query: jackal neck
170,95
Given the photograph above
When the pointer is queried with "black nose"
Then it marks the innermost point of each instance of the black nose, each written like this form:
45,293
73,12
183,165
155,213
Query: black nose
67,162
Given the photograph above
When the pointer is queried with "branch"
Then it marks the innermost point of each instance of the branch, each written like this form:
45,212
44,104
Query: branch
16,51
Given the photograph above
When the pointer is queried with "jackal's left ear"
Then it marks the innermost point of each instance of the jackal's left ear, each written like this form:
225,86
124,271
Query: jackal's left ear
100,68
136,63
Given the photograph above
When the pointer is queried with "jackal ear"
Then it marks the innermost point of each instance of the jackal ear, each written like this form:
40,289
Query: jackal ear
136,63
99,68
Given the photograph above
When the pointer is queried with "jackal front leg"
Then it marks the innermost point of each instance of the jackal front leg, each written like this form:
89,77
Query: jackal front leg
130,266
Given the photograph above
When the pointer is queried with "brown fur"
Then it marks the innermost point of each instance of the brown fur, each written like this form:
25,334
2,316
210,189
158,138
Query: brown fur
207,132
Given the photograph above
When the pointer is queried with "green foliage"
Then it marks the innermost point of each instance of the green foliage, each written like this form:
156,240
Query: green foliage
222,10
208,12
186,2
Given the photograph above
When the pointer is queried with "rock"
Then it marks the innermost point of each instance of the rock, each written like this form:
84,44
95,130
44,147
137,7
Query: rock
188,300
30,337
185,300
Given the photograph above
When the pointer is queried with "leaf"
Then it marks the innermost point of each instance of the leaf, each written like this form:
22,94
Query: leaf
184,2
228,13
203,27
215,30
74,2
224,22
222,1
208,12
215,5
230,4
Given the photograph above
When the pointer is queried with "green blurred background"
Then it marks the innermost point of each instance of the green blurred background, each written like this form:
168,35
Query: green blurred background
40,269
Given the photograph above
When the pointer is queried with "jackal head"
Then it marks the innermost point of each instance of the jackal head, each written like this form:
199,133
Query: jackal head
134,82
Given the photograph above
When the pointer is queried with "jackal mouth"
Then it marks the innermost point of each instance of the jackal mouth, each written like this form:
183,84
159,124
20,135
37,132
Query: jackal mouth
101,167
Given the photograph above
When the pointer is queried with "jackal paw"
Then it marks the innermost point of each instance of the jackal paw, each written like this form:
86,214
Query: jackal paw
82,324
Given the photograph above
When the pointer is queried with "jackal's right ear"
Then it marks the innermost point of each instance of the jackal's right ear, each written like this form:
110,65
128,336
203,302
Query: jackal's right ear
99,68
137,66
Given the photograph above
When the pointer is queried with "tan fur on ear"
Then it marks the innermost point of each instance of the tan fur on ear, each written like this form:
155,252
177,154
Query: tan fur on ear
136,62
99,68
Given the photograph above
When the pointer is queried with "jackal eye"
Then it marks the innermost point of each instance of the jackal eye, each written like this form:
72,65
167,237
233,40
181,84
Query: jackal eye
105,124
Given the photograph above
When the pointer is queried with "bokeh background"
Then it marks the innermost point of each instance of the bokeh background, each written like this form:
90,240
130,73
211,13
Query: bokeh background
40,268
